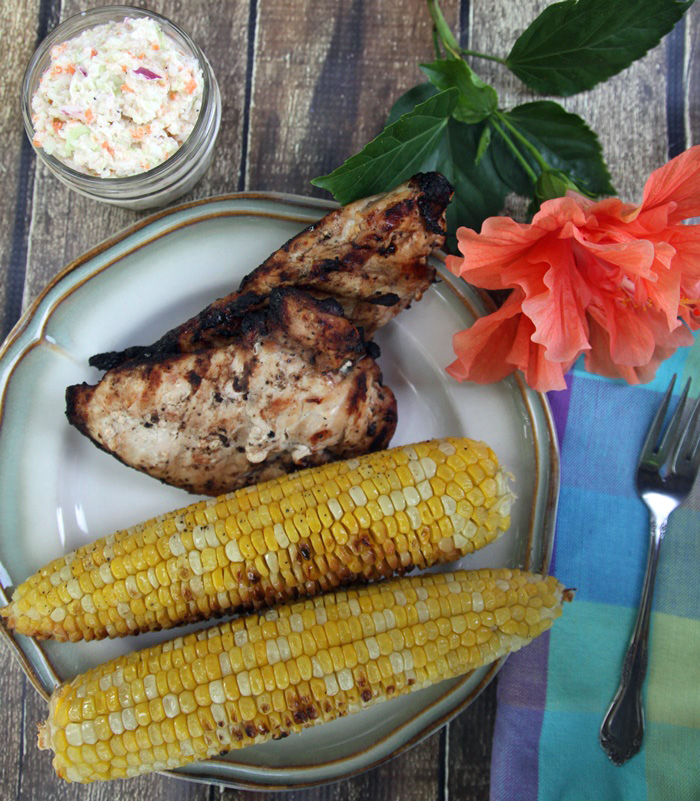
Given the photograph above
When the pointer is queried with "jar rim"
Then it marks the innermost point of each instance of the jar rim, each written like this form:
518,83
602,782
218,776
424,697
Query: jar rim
94,182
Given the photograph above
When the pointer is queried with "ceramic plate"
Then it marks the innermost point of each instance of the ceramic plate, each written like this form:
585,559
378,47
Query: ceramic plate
59,491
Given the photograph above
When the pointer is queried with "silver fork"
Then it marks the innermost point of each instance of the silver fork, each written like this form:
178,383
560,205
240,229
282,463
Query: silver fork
665,476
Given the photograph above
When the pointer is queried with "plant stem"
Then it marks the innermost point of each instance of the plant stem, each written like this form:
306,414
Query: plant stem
524,141
436,43
476,54
442,29
443,32
514,148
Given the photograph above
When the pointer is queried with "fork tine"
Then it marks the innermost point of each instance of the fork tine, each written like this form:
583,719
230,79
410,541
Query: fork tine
688,446
655,429
672,439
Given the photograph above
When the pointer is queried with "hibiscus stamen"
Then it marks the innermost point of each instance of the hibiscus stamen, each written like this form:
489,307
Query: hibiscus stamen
693,304
627,285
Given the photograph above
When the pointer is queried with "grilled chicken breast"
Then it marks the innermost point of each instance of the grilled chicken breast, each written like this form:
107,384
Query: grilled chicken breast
371,256
295,386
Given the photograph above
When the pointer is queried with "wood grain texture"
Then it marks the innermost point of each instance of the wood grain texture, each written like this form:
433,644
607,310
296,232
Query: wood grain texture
18,23
18,27
410,777
691,96
325,80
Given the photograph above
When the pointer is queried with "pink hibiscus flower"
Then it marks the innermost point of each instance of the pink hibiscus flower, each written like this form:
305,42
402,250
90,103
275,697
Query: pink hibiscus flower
616,282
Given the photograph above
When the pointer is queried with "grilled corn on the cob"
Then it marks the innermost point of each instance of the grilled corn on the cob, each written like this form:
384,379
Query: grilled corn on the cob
361,519
263,676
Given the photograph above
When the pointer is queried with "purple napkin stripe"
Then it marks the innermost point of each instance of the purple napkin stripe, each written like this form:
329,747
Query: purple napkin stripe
560,401
522,686
517,733
522,681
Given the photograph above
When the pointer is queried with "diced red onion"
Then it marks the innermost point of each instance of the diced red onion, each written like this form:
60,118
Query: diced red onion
146,73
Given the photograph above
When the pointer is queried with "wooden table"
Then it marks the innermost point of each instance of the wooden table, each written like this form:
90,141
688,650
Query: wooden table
304,84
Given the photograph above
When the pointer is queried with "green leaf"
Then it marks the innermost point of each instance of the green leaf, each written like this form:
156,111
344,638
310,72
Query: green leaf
477,100
508,168
552,184
408,101
479,190
395,155
565,142
576,44
484,142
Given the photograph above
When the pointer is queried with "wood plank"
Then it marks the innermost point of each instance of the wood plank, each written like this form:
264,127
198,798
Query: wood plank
325,80
18,23
467,754
409,777
13,686
65,224
692,76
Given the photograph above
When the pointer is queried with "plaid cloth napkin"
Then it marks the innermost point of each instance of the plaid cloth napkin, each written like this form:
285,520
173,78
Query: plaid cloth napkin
552,696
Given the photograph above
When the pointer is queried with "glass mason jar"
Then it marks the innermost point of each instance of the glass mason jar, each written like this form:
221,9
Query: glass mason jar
180,171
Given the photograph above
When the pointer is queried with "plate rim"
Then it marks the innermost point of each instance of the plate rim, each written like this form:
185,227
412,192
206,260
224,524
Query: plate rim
537,407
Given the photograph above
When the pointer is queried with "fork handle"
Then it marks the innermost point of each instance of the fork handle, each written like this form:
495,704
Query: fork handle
623,726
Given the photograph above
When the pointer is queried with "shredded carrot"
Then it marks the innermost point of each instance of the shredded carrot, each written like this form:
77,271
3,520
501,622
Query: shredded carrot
106,146
57,125
190,86
141,55
57,70
71,69
123,67
36,142
155,46
88,114
93,52
172,95
126,88
161,82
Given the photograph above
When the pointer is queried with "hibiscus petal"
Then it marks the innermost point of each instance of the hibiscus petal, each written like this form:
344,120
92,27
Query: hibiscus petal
559,312
482,349
610,210
489,257
677,182
685,241
665,294
635,256
598,359
631,342
556,213
540,373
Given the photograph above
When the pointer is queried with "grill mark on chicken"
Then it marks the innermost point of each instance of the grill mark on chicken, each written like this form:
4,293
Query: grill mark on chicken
295,389
361,255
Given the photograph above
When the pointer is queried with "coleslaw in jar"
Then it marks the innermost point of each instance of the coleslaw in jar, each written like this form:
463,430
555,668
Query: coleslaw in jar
122,106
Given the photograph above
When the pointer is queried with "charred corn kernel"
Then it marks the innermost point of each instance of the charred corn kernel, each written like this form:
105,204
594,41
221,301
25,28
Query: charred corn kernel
261,700
302,534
